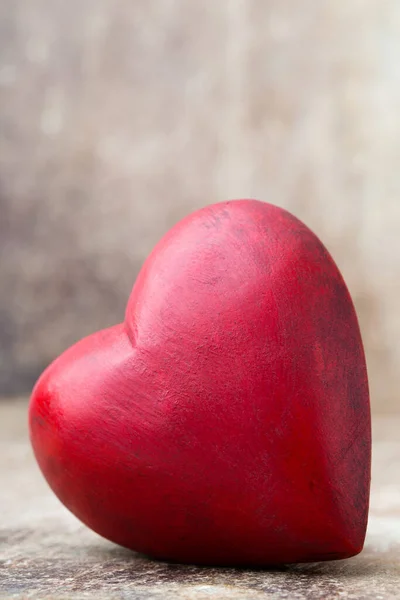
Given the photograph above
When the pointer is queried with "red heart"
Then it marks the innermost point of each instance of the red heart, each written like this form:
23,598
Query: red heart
227,420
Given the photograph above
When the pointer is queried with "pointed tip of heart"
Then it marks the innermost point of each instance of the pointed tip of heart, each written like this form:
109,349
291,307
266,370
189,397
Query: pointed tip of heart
348,548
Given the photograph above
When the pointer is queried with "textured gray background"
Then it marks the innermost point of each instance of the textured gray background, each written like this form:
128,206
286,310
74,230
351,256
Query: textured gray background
118,118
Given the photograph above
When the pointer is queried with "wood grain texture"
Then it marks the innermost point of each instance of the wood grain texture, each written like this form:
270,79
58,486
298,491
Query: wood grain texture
117,119
227,420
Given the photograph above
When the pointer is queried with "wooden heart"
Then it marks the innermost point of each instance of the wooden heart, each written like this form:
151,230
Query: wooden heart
227,420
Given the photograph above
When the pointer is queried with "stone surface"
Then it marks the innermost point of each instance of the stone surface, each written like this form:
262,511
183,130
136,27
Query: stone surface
45,553
118,118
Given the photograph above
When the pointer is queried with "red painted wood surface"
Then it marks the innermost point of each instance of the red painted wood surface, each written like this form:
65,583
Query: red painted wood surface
227,420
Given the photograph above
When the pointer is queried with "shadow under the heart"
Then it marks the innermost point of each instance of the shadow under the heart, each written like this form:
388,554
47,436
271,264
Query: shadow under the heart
369,564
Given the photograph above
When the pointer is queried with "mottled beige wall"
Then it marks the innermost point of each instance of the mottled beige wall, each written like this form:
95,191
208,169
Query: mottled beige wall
118,118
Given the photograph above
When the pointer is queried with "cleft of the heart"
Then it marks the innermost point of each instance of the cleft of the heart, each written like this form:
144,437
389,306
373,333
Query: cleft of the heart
227,420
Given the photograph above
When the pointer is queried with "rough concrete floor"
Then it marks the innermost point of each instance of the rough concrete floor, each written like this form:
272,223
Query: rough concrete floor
45,553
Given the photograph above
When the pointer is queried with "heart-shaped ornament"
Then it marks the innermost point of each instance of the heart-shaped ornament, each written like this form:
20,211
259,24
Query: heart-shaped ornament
227,420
